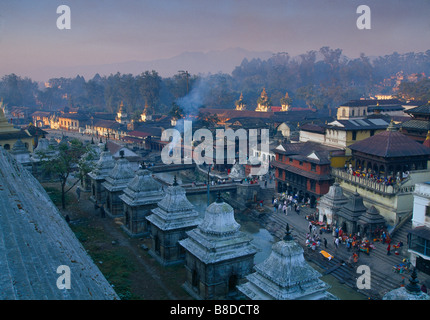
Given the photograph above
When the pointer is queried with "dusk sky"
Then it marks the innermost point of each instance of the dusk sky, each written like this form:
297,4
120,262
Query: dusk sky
108,31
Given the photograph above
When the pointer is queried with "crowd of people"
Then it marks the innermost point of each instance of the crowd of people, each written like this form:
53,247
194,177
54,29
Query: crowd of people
286,204
378,178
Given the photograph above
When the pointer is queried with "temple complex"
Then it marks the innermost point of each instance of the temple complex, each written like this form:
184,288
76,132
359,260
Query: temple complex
384,171
217,255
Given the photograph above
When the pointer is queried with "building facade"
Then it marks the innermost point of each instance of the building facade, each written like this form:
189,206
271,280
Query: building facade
419,236
304,169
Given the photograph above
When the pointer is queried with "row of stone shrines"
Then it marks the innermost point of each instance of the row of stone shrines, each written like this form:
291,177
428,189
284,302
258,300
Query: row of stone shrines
218,257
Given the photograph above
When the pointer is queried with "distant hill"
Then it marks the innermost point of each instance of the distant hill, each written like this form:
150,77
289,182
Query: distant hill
194,62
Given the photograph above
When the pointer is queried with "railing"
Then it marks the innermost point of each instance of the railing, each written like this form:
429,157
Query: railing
373,185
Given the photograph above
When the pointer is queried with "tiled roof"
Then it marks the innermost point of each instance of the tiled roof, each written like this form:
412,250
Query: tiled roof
312,128
424,109
390,144
107,124
416,124
302,150
358,124
370,102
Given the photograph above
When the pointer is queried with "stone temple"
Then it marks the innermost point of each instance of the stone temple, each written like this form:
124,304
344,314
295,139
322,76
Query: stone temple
170,221
285,275
140,196
103,167
115,183
330,203
217,255
35,241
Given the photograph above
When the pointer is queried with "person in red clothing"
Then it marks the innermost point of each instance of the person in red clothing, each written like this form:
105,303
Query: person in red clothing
388,249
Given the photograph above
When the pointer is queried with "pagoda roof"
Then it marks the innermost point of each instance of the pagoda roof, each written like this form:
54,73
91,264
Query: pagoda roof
285,275
120,176
142,189
174,211
218,237
390,144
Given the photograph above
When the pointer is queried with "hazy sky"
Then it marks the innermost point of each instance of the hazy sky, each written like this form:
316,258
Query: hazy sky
111,31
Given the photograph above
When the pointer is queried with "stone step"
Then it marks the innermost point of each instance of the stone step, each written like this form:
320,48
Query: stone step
276,224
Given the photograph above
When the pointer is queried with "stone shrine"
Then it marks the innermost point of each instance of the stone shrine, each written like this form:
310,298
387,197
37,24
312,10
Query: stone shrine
89,160
102,169
330,203
411,291
285,275
21,154
237,172
217,255
140,196
115,183
170,221
370,222
347,217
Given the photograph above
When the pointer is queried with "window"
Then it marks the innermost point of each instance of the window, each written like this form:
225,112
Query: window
372,133
301,163
313,167
312,183
354,135
427,211
290,159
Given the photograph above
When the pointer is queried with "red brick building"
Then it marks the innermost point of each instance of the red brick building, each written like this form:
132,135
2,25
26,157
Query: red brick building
304,169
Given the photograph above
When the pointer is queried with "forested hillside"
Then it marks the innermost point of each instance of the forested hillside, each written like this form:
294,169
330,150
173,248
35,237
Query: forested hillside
320,79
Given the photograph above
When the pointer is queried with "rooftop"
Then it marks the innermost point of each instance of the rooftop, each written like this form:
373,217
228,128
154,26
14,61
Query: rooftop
390,143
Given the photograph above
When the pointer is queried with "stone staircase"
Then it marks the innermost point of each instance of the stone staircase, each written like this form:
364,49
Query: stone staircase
381,282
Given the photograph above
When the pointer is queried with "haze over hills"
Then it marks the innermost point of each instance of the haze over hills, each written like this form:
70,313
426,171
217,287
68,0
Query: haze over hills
194,62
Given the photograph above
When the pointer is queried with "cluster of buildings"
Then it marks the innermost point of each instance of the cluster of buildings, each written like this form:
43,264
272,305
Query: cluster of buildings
365,167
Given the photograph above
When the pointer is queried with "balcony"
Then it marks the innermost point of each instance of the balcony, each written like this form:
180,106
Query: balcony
374,185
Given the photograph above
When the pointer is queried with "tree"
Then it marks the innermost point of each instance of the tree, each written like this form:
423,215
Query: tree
176,112
63,163
149,84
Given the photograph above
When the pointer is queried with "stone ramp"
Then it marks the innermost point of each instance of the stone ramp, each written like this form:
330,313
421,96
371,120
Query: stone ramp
35,240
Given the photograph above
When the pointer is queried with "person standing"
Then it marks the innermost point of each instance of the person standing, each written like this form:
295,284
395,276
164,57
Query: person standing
336,242
388,250
325,243
78,193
